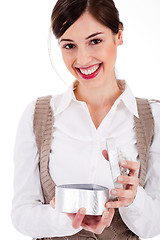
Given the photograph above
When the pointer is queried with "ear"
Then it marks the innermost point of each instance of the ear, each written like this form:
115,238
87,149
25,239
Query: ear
120,37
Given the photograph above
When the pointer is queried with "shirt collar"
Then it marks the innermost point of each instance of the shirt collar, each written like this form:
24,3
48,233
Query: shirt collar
62,101
128,98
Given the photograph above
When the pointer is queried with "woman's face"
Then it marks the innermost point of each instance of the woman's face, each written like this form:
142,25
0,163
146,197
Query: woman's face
89,50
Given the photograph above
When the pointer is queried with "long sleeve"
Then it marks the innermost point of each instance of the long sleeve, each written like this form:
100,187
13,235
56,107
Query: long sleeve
143,215
29,215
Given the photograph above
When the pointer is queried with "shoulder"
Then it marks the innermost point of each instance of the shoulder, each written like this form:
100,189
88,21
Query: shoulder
28,112
26,119
53,100
30,108
27,115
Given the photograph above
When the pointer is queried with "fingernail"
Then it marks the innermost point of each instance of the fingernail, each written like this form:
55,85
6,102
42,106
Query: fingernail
82,211
52,204
120,179
113,192
108,205
105,154
105,214
124,162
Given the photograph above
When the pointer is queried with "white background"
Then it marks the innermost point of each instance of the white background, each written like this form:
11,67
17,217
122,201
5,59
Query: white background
26,72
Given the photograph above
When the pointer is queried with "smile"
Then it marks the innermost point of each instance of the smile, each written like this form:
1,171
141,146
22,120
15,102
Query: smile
90,72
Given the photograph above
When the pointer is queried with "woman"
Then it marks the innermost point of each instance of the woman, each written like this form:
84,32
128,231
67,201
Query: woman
94,108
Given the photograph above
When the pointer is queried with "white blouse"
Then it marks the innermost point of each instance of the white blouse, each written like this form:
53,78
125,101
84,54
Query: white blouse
76,157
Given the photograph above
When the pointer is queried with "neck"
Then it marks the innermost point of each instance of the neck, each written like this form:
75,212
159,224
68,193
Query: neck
100,96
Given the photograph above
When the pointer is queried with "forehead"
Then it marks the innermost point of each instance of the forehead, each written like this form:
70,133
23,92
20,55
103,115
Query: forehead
85,25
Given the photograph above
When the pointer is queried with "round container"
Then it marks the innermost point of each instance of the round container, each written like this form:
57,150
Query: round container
70,198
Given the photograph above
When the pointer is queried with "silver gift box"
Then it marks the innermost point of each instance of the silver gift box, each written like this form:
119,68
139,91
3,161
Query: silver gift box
70,198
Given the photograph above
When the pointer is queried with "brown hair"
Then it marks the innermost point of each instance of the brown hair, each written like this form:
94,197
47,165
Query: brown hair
66,12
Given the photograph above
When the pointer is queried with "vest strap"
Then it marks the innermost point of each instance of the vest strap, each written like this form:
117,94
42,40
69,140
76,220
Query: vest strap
144,127
43,128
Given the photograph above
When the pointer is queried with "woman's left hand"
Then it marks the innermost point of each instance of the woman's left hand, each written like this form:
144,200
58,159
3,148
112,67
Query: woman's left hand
130,183
95,224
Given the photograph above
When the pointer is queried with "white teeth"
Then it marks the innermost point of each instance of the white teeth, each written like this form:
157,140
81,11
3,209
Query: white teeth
89,71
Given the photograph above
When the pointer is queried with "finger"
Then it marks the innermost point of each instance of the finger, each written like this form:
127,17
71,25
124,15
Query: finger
52,203
132,180
86,227
130,165
127,193
110,217
124,202
105,154
77,220
105,221
99,227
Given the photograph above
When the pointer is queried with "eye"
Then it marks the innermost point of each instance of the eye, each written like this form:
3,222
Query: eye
69,46
96,41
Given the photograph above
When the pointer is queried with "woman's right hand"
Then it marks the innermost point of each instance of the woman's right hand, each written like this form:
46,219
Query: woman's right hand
95,224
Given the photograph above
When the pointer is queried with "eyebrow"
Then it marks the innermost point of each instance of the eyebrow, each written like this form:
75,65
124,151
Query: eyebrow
92,35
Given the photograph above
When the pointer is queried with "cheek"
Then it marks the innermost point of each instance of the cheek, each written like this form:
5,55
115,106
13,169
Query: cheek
68,60
110,53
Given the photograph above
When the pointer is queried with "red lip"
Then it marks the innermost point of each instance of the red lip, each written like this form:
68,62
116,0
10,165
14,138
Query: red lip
90,76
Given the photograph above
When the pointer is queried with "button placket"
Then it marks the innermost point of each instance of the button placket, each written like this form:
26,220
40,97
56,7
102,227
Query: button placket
94,160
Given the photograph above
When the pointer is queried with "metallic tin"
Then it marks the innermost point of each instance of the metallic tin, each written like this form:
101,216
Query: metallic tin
70,198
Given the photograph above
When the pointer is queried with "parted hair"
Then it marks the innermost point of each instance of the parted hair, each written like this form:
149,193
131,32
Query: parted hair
66,12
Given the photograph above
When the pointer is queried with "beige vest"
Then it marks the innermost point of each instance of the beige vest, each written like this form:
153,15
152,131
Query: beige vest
43,129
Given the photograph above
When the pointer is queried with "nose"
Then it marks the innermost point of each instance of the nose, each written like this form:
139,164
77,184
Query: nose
83,56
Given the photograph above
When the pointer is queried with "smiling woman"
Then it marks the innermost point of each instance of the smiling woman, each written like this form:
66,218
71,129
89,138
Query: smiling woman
98,36
96,109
